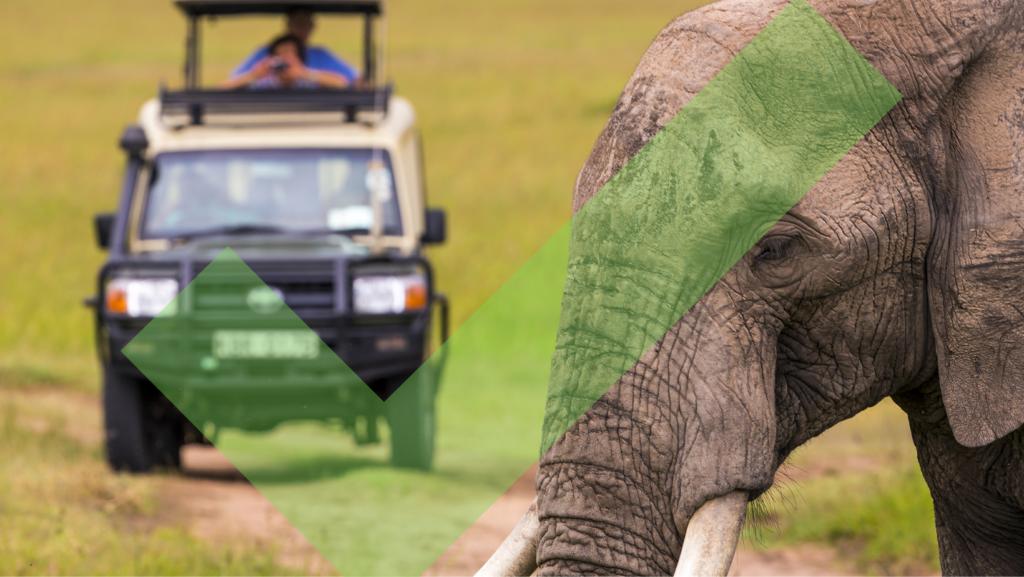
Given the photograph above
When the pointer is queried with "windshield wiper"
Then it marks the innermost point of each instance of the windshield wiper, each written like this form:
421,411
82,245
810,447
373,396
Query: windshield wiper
231,231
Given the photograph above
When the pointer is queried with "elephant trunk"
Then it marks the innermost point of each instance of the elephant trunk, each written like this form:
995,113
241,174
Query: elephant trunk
664,461
708,546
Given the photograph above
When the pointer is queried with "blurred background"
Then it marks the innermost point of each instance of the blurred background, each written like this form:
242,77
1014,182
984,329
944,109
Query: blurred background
511,96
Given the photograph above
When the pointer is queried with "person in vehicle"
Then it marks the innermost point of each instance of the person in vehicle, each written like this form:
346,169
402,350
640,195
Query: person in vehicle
332,69
285,67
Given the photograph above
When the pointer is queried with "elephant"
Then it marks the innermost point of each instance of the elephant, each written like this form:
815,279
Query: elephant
899,274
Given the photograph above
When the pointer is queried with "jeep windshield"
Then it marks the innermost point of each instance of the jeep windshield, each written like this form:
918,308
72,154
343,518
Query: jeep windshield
208,193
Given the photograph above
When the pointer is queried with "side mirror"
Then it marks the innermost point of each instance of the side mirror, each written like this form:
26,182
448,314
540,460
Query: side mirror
104,224
435,229
134,141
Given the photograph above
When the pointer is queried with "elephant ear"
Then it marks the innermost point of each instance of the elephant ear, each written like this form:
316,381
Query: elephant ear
976,263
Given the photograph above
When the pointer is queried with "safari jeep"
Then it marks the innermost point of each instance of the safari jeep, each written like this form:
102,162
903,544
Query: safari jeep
321,194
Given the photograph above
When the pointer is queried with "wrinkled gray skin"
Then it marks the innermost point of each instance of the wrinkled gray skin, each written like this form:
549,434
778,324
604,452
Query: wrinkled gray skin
899,274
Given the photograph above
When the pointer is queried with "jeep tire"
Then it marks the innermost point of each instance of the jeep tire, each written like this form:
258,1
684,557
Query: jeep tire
143,430
410,415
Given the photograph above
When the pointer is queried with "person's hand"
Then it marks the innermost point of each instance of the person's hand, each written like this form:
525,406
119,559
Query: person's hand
261,68
326,79
296,69
258,70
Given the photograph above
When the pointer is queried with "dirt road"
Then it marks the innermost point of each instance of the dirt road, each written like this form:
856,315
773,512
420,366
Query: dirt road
216,503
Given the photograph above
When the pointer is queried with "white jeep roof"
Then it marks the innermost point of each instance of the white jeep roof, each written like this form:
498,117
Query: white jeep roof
278,130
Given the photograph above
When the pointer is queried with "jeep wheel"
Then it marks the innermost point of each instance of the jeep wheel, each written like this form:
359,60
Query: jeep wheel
141,427
163,429
410,414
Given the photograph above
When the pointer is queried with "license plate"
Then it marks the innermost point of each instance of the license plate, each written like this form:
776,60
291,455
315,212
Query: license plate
265,345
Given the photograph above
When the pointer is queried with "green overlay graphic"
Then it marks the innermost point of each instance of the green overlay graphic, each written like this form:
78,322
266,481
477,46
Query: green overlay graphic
701,193
339,490
314,438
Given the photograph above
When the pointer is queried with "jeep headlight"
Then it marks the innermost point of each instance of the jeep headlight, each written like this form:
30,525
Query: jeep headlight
379,294
140,297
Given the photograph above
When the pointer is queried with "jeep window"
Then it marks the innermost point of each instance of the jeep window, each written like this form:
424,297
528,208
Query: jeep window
301,191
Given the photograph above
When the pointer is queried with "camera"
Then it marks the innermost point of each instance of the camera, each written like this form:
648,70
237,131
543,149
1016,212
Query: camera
279,65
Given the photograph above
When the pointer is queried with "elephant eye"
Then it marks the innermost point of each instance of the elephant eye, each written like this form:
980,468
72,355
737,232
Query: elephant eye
774,248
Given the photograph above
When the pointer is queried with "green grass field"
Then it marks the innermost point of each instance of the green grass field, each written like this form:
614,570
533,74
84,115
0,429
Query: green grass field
857,488
64,513
510,96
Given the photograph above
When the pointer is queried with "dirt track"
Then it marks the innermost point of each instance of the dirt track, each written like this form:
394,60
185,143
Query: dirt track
212,499
216,503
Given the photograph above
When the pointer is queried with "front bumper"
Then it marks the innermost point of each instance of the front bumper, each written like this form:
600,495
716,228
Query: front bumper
344,382
376,351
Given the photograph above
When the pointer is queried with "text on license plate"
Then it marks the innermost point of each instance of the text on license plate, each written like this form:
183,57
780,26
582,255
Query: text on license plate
266,344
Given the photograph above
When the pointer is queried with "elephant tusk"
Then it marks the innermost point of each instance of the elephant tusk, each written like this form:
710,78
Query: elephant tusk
517,555
712,535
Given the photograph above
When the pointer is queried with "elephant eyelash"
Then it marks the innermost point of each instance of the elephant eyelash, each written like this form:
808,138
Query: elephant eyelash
776,248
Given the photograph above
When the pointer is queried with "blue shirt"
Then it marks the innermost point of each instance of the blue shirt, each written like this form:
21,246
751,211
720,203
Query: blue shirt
317,58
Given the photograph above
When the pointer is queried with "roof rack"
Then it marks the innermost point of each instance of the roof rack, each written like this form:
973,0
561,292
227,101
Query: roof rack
195,104
224,7
195,10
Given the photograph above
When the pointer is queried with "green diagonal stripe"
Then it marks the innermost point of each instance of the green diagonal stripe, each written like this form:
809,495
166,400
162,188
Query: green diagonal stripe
680,213
701,193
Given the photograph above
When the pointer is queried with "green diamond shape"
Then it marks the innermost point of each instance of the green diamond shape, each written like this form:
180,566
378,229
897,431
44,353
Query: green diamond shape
364,516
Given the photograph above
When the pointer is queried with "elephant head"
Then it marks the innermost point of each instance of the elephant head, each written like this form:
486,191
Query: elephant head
901,273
